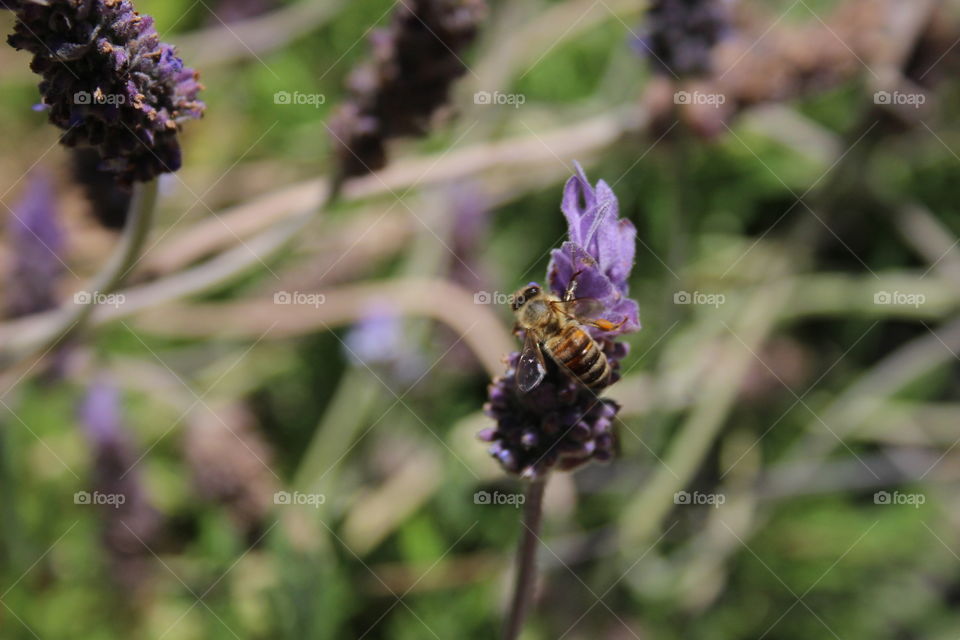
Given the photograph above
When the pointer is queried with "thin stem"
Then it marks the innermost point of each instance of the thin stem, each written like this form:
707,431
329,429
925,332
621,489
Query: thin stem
526,559
71,317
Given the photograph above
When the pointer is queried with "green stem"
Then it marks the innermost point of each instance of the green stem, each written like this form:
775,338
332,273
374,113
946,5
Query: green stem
355,396
526,565
69,319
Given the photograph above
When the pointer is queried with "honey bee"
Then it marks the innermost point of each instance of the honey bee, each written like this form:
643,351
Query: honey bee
556,326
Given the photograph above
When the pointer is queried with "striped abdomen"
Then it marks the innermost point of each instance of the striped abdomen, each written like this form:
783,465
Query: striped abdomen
576,351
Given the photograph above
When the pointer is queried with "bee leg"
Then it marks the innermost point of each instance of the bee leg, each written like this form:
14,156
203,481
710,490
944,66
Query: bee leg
606,325
572,287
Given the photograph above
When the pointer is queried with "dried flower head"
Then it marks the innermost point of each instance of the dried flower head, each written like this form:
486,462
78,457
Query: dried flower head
36,242
561,423
108,82
679,34
415,60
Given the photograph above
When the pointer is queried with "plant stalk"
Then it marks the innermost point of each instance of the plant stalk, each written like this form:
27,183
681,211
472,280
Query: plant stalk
70,318
526,564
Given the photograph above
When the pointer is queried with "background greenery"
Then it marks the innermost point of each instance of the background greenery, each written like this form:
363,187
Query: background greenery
838,398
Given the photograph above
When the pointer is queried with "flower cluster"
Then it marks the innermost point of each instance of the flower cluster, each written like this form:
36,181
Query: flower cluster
561,423
108,82
679,35
415,60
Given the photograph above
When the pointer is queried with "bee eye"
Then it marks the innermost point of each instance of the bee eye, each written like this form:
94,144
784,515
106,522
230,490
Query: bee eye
530,292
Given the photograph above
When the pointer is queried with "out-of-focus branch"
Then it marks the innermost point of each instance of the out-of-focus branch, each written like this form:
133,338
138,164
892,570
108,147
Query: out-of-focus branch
501,158
715,399
482,329
932,240
255,37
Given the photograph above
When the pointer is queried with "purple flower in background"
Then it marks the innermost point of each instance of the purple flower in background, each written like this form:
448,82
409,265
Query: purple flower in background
378,341
108,82
416,59
678,35
561,423
128,519
36,242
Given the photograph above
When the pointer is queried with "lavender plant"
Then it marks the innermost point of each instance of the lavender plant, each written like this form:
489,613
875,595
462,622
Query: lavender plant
108,82
415,60
561,423
678,35
36,240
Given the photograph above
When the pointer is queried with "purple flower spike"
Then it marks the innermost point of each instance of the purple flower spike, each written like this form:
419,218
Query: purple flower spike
36,240
678,35
561,423
599,253
109,82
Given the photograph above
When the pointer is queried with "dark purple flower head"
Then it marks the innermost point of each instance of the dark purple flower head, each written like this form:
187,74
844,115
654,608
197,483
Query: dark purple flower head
415,61
36,241
678,35
561,423
599,252
109,82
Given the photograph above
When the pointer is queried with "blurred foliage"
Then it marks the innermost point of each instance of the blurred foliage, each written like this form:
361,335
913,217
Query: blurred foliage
831,564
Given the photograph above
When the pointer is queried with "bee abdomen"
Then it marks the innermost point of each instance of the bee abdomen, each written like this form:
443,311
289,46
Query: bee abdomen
580,354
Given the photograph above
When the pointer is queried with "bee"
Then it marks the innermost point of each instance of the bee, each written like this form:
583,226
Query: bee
555,326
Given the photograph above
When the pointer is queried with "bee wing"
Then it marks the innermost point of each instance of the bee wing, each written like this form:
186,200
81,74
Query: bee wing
580,308
532,368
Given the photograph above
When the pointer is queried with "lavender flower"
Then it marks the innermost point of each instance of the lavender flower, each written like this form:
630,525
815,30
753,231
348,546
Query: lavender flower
378,341
415,60
108,82
561,423
680,34
132,521
36,241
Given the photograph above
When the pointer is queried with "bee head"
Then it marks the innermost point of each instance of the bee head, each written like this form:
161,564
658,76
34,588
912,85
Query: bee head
525,295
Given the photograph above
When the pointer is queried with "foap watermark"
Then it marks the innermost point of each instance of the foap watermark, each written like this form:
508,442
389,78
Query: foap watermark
699,297
495,297
898,498
498,498
295,497
97,297
699,97
914,100
698,498
99,97
107,499
899,298
299,98
299,298
498,98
